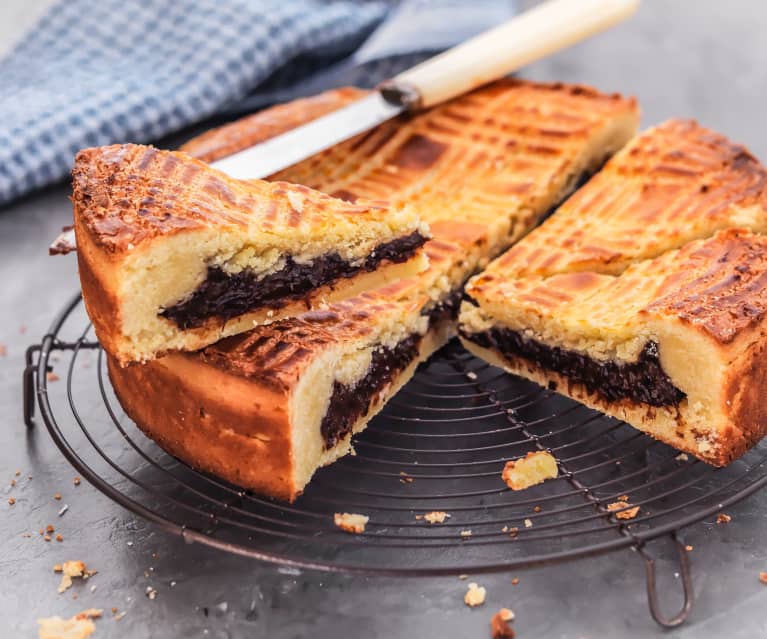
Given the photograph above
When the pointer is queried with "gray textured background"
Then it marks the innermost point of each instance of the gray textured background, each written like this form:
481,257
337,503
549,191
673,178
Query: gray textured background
703,59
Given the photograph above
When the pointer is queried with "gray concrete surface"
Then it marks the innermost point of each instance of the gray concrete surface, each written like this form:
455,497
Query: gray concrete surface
704,59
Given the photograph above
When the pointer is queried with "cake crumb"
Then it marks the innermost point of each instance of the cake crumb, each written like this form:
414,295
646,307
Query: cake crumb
528,523
513,531
505,529
475,595
76,481
688,548
682,457
74,568
151,593
436,517
50,528
52,377
537,509
11,501
515,581
465,534
120,615
623,498
530,470
624,508
351,522
78,627
59,537
499,624
3,350
46,537
57,496
471,375
763,577
405,478
723,518
463,577
18,472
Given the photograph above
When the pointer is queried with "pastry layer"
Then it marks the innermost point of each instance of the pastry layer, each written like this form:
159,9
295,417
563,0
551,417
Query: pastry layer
154,227
700,308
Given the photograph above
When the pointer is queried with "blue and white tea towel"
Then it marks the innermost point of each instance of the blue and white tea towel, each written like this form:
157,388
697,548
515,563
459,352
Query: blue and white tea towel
92,73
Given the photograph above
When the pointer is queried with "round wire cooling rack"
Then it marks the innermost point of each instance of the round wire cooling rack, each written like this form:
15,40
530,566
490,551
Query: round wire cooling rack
439,445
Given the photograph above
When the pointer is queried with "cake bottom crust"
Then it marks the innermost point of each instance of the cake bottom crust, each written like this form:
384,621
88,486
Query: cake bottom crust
714,443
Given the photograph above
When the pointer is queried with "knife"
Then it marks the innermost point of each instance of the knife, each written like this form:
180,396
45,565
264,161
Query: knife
530,36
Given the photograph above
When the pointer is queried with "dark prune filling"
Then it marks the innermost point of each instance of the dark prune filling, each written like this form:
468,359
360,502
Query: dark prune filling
348,403
226,295
642,381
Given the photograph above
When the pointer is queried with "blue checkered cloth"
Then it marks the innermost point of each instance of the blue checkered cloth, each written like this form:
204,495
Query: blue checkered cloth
93,73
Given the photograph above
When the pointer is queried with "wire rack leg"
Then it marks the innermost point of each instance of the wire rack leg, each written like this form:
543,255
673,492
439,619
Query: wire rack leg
652,592
29,385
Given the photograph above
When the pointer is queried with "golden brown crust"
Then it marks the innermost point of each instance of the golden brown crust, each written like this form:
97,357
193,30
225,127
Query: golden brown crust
495,159
277,354
674,183
126,194
721,288
259,127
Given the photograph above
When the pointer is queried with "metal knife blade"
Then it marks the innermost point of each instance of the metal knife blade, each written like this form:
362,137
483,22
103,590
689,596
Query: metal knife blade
284,150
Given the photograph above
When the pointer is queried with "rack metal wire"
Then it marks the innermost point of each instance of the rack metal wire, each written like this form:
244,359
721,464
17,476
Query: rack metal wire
439,445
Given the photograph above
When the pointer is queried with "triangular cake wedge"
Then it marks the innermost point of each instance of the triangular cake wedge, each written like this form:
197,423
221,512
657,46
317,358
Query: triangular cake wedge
174,255
600,302
267,408
482,170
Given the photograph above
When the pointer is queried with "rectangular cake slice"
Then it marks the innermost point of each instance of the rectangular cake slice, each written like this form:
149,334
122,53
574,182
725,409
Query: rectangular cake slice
174,255
675,346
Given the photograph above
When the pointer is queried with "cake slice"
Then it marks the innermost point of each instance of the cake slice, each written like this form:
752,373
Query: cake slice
174,255
601,303
676,346
267,408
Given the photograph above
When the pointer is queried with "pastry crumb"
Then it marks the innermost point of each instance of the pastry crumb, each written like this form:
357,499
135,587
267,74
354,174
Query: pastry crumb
57,496
505,529
52,377
76,481
59,537
723,518
688,548
78,627
763,577
625,511
463,577
528,523
405,478
11,501
499,624
513,531
471,375
475,595
515,581
436,517
351,522
74,568
3,350
530,470
682,457
537,509
465,534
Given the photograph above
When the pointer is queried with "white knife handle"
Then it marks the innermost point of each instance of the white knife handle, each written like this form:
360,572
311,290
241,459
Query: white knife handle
532,35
